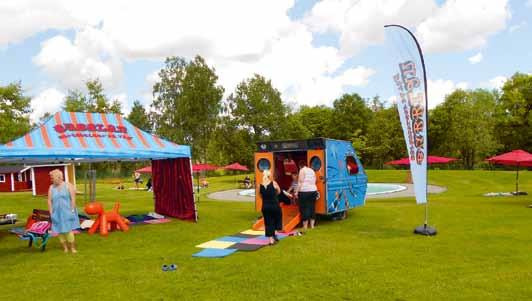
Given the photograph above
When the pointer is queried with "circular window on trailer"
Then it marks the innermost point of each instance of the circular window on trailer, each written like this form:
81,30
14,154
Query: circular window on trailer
315,163
263,164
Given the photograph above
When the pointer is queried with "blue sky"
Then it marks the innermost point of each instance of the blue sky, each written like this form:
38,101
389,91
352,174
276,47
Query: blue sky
312,50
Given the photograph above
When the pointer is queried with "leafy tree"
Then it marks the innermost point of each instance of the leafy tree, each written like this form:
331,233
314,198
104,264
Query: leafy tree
257,106
187,103
14,112
293,128
95,101
350,114
463,125
230,144
318,120
139,117
75,101
375,104
514,126
384,140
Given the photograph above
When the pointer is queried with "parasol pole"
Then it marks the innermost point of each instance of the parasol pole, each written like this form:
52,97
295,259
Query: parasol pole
517,180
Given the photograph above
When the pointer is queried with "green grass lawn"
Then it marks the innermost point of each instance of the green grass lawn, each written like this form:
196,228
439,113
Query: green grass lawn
483,250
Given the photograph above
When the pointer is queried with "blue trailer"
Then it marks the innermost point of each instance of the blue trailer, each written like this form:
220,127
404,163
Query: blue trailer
341,180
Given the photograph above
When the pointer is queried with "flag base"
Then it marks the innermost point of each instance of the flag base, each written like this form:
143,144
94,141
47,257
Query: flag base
425,230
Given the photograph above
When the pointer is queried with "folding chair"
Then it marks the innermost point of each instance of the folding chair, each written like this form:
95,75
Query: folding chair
38,235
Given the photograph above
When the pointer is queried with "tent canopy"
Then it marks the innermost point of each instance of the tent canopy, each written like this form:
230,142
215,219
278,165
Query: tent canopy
430,160
515,158
89,137
146,169
236,166
203,167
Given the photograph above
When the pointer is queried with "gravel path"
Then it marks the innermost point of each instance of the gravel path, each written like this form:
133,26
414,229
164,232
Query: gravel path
233,196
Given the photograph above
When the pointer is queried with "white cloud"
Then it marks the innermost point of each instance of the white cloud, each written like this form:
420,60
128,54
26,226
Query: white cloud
122,99
21,19
477,58
91,55
361,23
303,73
495,83
529,3
463,24
440,88
47,101
147,91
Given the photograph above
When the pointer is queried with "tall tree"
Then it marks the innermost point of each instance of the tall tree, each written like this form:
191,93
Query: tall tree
257,106
139,117
317,119
384,140
514,126
187,103
463,125
230,143
95,101
350,114
14,112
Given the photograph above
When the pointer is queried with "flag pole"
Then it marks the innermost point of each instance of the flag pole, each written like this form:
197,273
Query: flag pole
425,229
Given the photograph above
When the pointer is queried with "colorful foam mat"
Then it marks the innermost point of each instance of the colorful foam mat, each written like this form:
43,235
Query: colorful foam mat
248,240
214,253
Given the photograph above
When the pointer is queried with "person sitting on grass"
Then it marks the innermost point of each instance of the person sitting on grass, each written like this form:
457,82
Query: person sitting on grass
62,207
137,179
247,182
148,185
204,183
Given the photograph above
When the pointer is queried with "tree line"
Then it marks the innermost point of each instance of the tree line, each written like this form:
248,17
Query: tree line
189,108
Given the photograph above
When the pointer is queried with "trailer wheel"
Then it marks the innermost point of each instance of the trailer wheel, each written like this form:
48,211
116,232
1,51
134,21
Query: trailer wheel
338,216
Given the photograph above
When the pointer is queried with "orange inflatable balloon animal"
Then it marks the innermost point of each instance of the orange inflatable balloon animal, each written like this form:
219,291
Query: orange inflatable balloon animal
105,220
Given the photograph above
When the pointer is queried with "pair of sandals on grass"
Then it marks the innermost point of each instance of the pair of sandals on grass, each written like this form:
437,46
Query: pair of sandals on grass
170,267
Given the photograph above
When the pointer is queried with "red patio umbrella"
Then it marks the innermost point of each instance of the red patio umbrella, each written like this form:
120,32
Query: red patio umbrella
516,158
236,166
146,169
203,166
430,160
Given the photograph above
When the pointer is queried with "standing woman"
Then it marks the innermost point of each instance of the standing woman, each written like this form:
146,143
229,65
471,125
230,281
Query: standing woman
307,193
62,207
271,211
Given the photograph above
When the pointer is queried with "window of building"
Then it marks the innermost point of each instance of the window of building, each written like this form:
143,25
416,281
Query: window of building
2,178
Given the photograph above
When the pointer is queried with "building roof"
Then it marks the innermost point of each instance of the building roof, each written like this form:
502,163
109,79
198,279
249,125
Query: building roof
11,169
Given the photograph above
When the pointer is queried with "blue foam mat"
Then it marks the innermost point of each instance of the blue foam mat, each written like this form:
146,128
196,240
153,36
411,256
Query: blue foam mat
231,239
214,253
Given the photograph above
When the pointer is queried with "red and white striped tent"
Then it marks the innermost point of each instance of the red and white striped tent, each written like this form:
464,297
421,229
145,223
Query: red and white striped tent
69,137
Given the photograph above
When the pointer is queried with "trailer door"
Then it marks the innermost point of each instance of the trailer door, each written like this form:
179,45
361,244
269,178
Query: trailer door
263,161
316,161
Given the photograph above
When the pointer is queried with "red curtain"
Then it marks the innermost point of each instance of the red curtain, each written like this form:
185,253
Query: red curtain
172,188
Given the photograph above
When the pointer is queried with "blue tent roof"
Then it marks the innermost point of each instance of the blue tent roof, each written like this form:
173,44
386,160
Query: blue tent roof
89,137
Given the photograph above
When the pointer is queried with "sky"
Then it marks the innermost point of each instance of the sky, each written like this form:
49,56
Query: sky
313,51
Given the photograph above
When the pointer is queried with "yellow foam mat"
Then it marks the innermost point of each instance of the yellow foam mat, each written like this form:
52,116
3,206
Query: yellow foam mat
253,232
215,244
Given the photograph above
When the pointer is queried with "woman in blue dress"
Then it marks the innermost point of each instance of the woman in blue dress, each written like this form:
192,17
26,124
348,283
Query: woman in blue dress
62,207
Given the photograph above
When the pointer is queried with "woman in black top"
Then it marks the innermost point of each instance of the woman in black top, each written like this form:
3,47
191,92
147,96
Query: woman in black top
271,211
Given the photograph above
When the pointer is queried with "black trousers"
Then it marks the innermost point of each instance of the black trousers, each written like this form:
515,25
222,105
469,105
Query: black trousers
273,218
307,205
